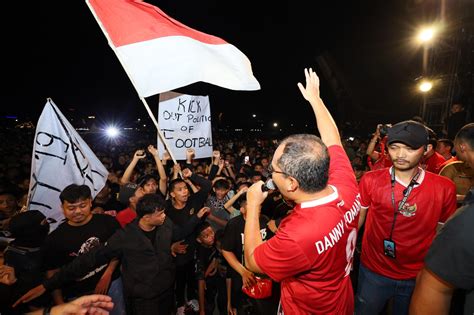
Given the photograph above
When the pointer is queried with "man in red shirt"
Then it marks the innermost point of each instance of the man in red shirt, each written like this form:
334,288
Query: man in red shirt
403,205
311,254
432,160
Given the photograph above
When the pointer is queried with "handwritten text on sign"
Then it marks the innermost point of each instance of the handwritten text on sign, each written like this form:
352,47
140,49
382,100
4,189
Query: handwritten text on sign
185,121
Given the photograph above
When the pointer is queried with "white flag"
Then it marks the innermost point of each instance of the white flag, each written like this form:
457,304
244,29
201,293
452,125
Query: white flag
60,158
185,121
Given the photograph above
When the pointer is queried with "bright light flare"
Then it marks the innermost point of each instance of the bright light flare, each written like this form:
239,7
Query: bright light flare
426,34
425,86
112,132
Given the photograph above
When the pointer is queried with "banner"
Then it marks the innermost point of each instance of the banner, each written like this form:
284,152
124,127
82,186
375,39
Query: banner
60,158
185,121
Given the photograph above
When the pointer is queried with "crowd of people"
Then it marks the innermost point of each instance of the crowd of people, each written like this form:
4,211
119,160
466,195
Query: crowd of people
305,225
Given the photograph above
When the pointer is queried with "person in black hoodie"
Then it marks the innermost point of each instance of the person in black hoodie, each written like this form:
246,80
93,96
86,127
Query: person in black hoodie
146,249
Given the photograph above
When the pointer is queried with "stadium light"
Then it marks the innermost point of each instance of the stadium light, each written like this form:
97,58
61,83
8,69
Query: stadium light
112,132
426,34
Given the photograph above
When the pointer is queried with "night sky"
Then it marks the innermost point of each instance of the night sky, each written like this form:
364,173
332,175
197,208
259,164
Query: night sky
56,49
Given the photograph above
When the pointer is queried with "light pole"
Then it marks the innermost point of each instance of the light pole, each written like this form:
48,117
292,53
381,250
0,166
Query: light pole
425,37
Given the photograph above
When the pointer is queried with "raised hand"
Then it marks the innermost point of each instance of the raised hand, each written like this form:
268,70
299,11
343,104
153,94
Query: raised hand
311,91
187,173
203,211
190,154
139,154
153,151
166,156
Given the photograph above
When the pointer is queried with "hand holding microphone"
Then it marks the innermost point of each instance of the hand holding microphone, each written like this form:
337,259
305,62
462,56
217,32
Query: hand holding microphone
268,185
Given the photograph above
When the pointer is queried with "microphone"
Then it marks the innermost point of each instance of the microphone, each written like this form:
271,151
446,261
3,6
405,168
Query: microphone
268,185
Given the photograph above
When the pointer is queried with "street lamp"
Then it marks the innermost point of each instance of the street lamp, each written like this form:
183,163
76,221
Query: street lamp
426,34
425,86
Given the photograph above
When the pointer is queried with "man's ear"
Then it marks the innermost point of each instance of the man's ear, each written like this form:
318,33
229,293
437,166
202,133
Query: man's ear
292,185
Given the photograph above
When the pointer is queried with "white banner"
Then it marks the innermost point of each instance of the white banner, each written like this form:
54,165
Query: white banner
185,121
60,158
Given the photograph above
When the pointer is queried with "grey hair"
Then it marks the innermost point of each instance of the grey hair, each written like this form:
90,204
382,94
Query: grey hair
305,157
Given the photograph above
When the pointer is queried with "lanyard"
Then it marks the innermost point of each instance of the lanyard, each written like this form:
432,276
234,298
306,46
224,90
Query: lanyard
406,193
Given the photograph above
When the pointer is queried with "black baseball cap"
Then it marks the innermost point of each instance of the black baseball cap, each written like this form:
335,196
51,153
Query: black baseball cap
127,191
409,132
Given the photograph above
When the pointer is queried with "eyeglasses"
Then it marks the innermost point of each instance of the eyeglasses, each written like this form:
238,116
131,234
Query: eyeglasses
271,171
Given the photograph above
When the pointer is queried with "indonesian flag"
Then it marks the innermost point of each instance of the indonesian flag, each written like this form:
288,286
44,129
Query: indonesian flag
161,54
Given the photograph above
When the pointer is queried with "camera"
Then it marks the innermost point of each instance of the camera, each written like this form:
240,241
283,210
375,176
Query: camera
384,129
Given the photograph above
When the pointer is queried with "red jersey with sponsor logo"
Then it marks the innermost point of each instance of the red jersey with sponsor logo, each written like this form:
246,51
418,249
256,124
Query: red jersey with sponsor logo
311,255
433,200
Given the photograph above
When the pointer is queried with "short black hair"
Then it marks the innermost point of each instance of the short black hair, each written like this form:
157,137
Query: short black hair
142,181
74,192
221,184
447,142
174,182
466,134
149,203
201,227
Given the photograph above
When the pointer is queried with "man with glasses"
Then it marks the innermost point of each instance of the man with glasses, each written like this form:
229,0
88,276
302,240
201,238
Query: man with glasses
311,254
403,205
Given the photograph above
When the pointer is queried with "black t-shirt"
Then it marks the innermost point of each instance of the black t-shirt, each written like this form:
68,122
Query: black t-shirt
204,256
451,255
233,240
67,242
151,235
181,217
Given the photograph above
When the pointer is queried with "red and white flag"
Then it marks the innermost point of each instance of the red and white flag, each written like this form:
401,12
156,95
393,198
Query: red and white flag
161,54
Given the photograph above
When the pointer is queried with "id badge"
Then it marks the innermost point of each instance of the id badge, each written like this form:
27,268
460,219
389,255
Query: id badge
389,248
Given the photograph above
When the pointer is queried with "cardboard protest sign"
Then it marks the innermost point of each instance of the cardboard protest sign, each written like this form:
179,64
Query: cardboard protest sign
185,121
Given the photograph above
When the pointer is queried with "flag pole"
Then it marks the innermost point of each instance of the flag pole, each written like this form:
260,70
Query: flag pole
150,113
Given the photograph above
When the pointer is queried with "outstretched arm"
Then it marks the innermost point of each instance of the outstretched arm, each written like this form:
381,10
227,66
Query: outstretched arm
139,154
326,126
371,146
163,184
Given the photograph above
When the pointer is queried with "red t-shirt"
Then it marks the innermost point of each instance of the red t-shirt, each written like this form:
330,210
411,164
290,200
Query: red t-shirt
430,202
311,255
433,163
126,216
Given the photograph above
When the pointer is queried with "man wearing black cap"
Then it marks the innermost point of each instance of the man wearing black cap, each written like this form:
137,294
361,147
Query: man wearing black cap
403,205
129,195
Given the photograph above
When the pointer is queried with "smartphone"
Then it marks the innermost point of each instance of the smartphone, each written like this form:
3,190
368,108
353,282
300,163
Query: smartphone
246,159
